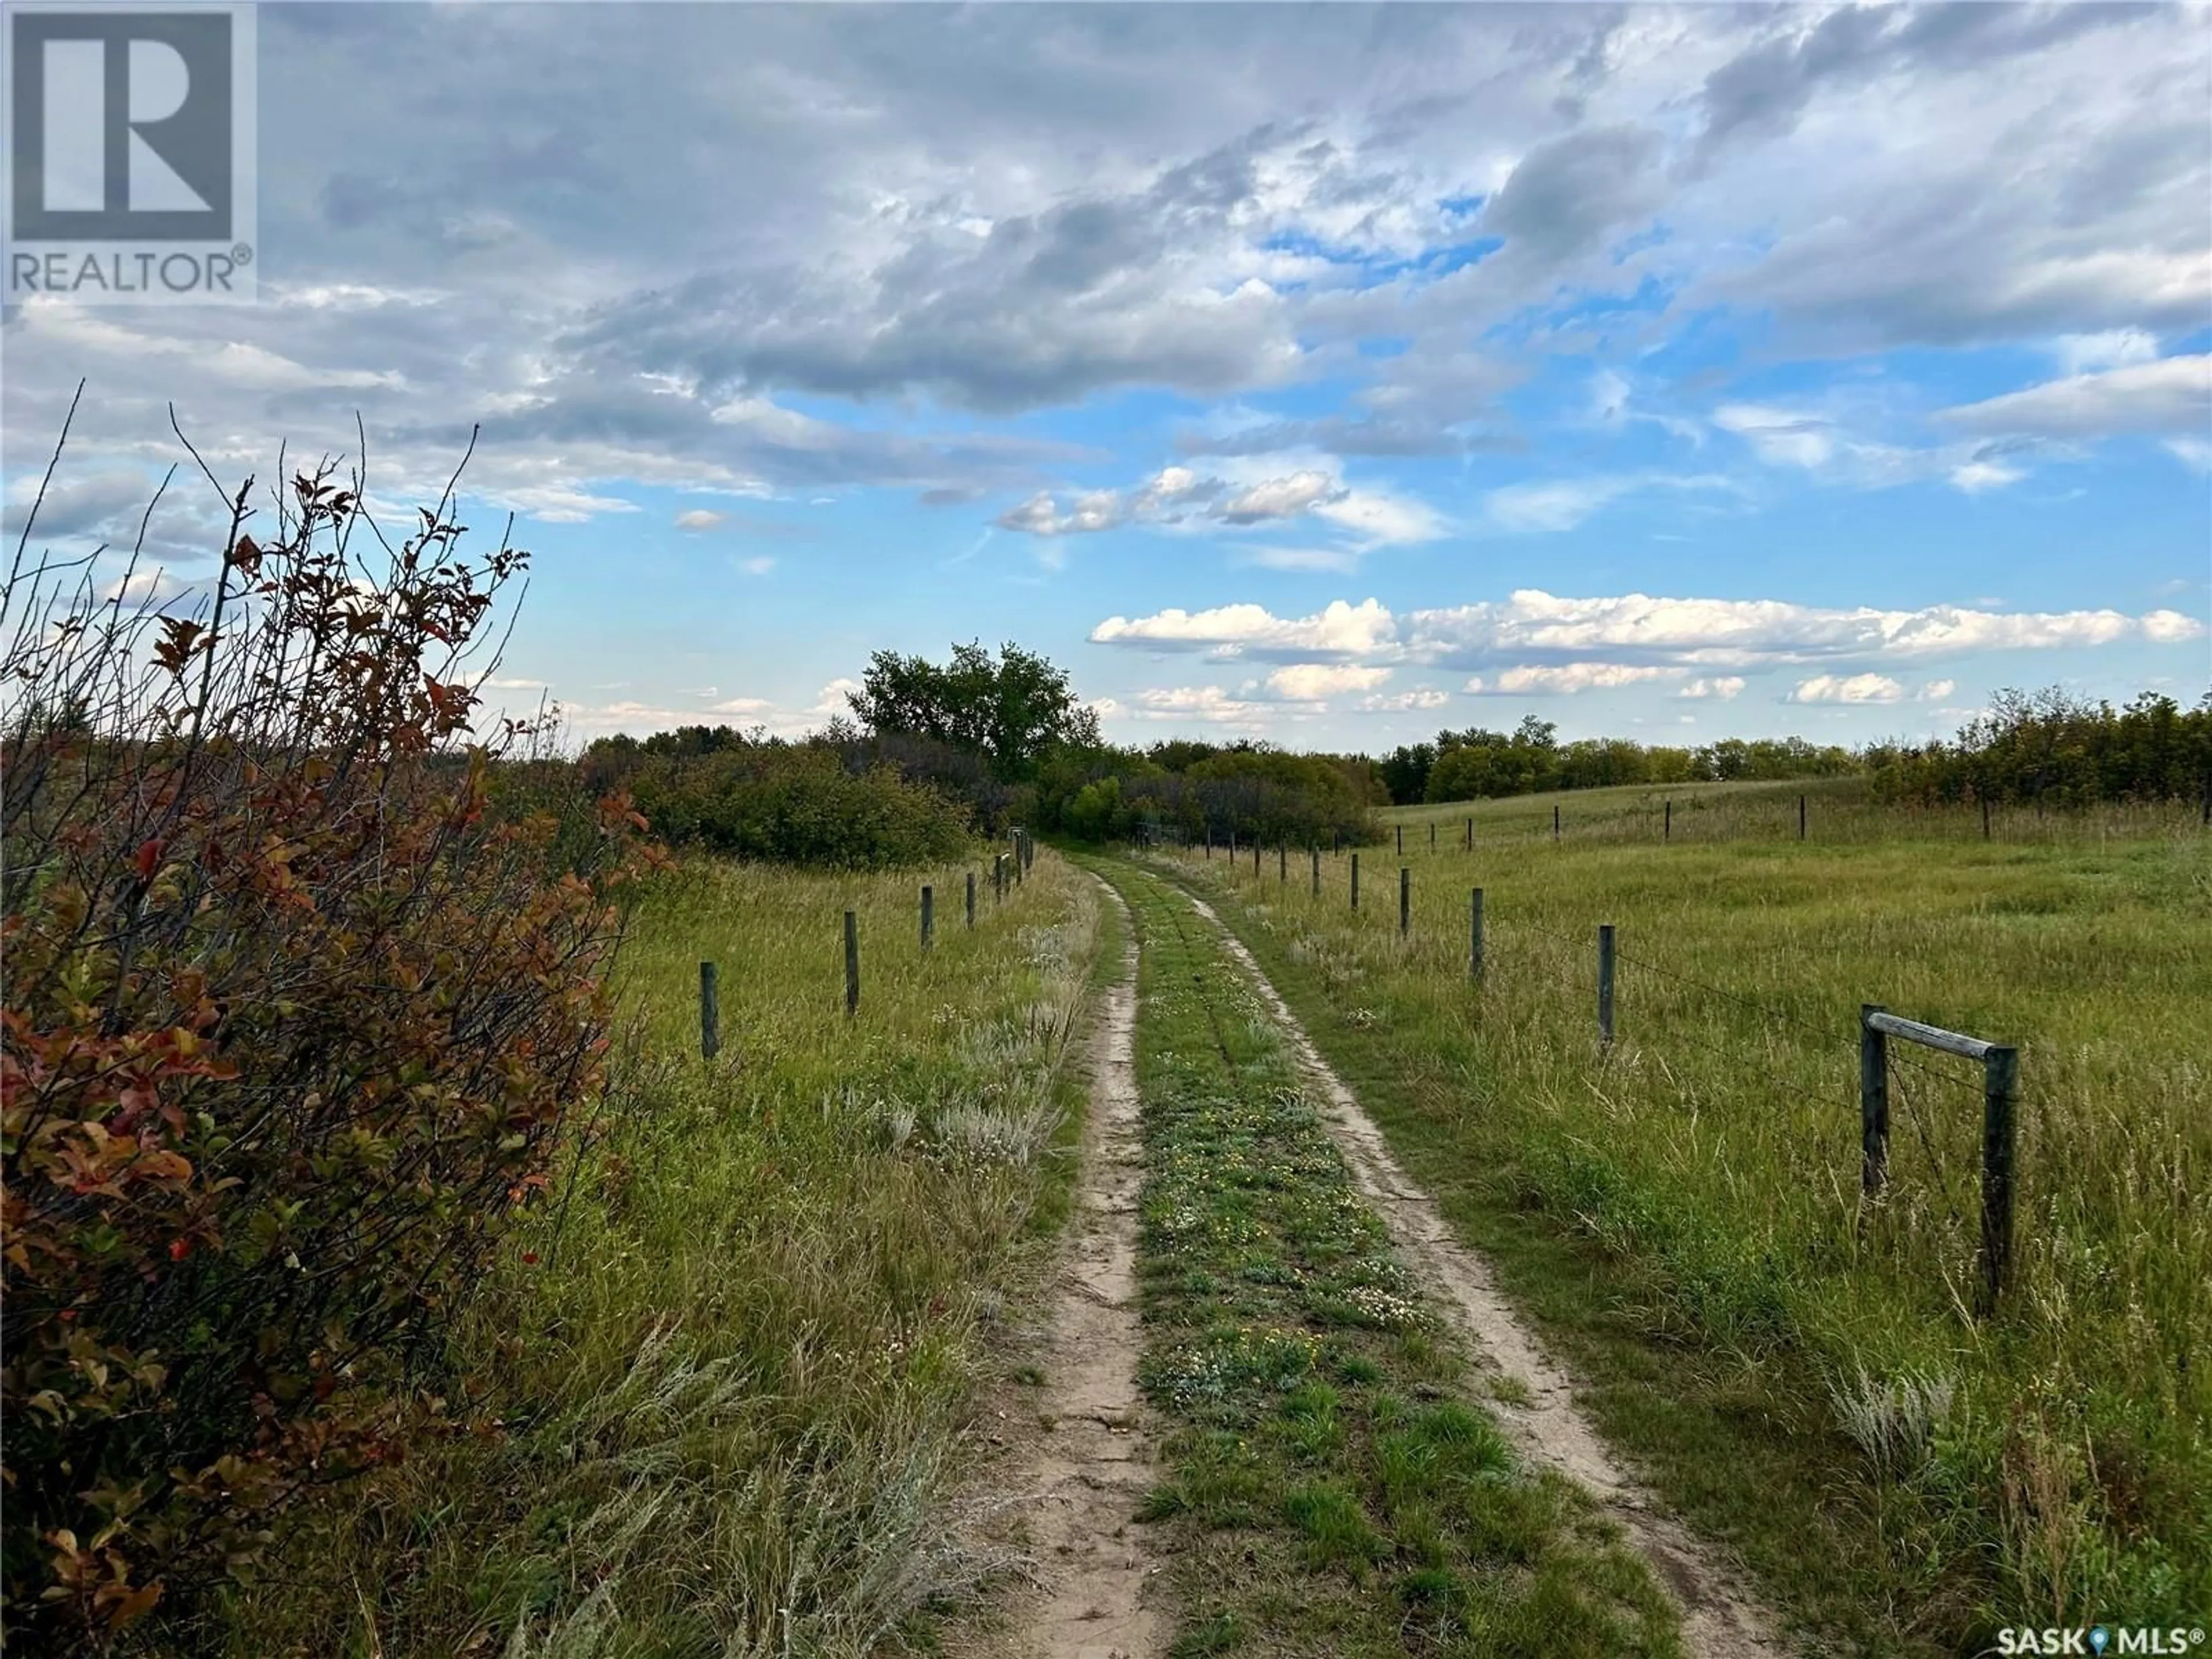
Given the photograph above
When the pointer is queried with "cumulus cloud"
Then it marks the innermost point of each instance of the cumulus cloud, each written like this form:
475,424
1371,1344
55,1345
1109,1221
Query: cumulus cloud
1635,630
1565,679
1340,631
1404,701
1306,682
1280,498
1722,687
1040,516
701,517
1847,687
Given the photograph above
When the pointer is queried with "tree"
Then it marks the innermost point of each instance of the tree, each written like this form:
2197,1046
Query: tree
1013,710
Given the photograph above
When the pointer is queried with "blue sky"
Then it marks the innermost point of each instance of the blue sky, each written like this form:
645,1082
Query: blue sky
1325,374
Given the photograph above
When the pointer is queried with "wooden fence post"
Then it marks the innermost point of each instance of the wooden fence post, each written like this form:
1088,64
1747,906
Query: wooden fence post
852,964
1985,817
1668,833
1801,818
1405,901
1555,824
971,898
1474,934
928,919
1470,834
1605,984
1401,841
1283,863
710,1012
1873,1102
2001,1101
1432,836
998,878
1017,857
1255,860
1316,870
1355,881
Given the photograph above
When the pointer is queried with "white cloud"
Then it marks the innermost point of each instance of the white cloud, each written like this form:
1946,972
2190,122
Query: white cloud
1402,701
1779,435
1724,688
1565,679
1974,476
700,518
1307,681
1847,688
2170,395
2171,627
1280,498
1936,690
1562,503
760,565
1039,516
1339,630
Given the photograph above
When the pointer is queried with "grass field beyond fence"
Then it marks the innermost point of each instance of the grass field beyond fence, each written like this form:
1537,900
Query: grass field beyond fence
716,1386
2052,1464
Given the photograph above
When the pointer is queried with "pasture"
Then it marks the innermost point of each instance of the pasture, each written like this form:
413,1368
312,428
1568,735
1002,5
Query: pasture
1803,1370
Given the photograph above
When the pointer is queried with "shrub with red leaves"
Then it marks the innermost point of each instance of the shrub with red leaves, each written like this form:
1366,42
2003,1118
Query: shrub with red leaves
290,1023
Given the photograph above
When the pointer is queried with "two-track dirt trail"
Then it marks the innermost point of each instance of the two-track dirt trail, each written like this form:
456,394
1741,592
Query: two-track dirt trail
1720,1618
1083,1472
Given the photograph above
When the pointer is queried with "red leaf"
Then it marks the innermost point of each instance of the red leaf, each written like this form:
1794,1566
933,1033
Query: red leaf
148,859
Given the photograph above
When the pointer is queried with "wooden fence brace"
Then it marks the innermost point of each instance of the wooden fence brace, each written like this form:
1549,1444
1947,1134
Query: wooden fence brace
1874,1102
1605,957
852,964
1405,901
2000,1108
1355,881
929,919
971,898
710,1012
1474,934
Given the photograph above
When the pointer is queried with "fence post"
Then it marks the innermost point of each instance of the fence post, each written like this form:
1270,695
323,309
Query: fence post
1985,817
1209,840
1401,841
1432,836
2001,1099
1018,834
1355,881
1405,901
1873,1102
1668,834
1801,818
1470,834
1474,934
928,918
998,878
1283,863
852,964
1255,860
710,1012
1316,870
971,898
1605,984
1555,824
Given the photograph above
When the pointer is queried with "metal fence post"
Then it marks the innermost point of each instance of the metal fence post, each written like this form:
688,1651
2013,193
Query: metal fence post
1873,1102
1474,934
1605,984
852,964
2001,1101
710,1012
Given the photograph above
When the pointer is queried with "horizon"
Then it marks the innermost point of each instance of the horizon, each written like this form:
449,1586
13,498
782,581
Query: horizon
1327,378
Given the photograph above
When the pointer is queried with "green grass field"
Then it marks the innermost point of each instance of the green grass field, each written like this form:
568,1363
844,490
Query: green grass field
1333,1489
1801,1374
730,1353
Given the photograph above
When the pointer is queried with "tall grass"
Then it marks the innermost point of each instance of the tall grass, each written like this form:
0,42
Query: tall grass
717,1385
2058,1456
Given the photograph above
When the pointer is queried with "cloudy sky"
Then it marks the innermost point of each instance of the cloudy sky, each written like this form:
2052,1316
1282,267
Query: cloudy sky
1331,375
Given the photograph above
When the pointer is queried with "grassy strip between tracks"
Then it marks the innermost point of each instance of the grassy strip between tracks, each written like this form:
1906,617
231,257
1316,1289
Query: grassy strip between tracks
1331,1487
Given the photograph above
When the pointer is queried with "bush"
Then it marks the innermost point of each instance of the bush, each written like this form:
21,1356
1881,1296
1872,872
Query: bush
291,1021
797,805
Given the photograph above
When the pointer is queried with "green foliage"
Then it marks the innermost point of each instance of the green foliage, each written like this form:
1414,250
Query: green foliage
1478,764
2052,746
292,1020
796,804
1014,710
